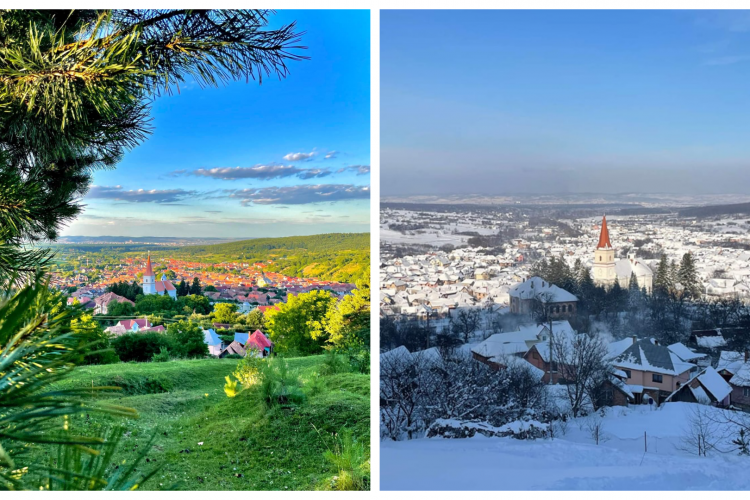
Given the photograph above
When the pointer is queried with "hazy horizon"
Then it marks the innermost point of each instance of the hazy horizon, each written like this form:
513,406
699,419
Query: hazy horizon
564,102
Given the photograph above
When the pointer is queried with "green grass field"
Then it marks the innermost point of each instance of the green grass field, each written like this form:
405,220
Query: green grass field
245,445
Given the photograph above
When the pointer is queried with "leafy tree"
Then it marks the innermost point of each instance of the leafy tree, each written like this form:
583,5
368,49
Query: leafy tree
195,288
296,327
255,320
348,322
129,291
149,304
76,89
225,313
188,339
197,304
141,347
182,289
120,309
209,288
93,336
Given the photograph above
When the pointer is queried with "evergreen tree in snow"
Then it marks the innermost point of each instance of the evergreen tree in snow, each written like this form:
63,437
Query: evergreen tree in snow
688,276
633,284
661,280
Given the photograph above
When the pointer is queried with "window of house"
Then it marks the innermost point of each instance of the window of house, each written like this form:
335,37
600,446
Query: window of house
627,372
746,391
600,258
657,378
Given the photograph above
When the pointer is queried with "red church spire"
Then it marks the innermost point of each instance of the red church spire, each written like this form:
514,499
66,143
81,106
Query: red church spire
604,236
148,271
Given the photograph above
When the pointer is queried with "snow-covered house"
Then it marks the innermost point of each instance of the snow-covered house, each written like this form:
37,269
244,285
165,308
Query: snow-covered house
734,367
526,296
651,368
495,349
541,354
707,387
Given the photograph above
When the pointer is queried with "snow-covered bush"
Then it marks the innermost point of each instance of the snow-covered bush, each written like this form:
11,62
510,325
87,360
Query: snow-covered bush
419,390
519,429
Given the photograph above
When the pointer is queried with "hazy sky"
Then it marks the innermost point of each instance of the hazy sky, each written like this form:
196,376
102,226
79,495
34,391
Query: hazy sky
287,157
511,102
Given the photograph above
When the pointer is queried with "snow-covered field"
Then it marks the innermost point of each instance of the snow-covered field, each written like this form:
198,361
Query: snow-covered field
432,237
572,461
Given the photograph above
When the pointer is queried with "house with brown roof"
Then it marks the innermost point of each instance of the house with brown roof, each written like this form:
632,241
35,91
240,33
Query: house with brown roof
102,302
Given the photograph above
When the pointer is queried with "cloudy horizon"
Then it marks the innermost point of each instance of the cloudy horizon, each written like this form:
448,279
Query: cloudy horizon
288,157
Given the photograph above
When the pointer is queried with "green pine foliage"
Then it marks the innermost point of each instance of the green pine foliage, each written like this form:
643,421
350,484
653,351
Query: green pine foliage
76,89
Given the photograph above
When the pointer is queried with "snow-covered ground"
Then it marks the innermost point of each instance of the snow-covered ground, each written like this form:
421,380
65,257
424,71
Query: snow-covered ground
432,237
572,461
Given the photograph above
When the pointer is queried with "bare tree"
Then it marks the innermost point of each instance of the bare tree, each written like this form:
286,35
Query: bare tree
465,323
703,432
595,424
582,363
400,394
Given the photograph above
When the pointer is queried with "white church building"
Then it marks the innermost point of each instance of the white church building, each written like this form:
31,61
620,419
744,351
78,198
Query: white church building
606,269
153,287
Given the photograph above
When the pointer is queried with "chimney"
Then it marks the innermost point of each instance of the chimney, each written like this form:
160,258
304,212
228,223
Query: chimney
656,342
635,339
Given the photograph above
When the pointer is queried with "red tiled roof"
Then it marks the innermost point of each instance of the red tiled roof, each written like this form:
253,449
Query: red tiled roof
128,323
258,341
164,285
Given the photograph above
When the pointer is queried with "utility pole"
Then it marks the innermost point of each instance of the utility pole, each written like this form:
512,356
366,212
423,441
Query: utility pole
549,317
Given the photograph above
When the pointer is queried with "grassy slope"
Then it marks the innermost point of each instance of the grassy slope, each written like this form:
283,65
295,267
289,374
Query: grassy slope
272,449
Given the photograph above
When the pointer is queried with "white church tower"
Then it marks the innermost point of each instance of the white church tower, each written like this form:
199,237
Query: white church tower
604,272
149,278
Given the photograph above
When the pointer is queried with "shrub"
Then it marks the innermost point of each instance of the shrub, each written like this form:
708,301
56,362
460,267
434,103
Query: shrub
335,363
279,384
315,384
247,373
140,347
351,458
161,356
359,359
230,388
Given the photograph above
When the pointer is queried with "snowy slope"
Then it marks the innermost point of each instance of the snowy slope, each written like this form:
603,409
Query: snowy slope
570,462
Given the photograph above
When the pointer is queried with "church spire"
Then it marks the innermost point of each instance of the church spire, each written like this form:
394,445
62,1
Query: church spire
148,271
604,235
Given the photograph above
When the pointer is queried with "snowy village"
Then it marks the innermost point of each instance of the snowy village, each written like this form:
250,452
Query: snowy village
598,349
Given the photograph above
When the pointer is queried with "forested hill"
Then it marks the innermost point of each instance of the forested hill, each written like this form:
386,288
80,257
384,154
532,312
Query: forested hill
336,256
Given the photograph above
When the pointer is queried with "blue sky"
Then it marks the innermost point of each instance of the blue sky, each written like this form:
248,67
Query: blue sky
509,102
288,157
